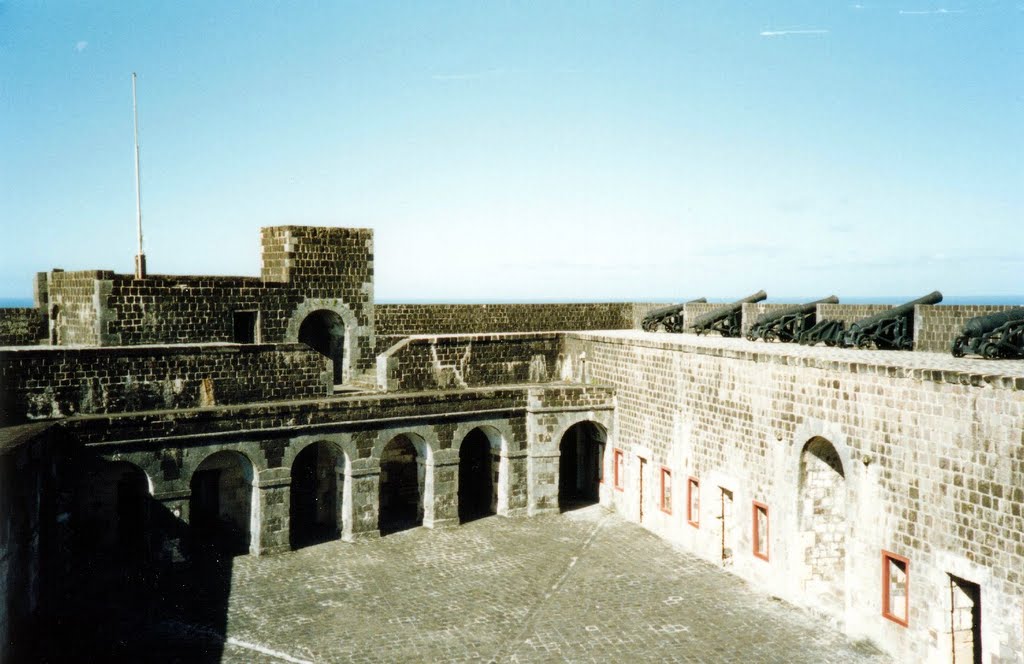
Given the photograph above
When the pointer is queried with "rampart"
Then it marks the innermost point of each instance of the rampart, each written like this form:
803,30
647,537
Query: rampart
54,382
923,458
22,326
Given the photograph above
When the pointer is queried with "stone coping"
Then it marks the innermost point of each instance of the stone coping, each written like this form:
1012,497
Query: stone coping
151,349
916,365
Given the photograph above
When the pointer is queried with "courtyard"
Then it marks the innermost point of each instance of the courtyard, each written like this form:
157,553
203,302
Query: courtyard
585,586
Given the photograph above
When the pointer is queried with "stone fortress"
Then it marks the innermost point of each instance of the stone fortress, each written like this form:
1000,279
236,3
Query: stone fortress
148,419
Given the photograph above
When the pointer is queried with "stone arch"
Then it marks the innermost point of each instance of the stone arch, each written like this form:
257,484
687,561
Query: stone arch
581,452
403,460
328,315
481,455
115,510
318,473
822,521
221,504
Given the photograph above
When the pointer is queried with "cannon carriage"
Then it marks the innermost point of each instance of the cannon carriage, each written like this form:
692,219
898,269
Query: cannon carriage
787,324
725,320
670,317
892,329
998,335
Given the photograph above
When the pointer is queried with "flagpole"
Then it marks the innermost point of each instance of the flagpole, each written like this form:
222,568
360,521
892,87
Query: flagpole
140,259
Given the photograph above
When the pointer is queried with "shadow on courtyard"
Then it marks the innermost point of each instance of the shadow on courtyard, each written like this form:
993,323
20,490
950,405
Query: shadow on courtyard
134,582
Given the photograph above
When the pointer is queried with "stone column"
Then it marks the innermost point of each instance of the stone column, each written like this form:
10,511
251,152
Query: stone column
362,500
441,490
270,512
513,466
168,524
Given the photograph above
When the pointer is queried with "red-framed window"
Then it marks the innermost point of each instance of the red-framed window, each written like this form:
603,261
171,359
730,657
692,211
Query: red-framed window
619,469
666,490
895,588
693,502
760,513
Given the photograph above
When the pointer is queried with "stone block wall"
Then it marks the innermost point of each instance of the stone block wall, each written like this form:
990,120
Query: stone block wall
849,313
462,361
935,327
754,310
22,326
76,306
54,382
930,459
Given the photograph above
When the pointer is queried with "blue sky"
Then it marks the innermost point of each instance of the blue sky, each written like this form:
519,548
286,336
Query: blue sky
527,151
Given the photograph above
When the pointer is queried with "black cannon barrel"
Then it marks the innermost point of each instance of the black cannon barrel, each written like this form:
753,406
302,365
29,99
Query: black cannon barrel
980,325
726,310
796,309
904,309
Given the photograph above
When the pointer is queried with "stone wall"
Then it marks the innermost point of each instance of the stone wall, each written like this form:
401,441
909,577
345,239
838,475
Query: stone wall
396,321
930,457
849,313
935,327
77,301
22,326
472,360
54,382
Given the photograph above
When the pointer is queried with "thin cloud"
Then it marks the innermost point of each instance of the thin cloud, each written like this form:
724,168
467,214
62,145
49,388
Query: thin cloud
783,33
927,12
81,46
468,76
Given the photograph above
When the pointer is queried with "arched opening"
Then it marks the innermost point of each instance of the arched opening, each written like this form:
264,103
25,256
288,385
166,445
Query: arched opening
478,476
116,511
580,464
822,515
221,502
400,499
318,482
324,331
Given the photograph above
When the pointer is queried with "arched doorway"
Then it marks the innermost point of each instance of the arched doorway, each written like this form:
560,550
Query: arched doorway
478,476
401,505
116,511
822,517
324,331
580,464
221,502
318,482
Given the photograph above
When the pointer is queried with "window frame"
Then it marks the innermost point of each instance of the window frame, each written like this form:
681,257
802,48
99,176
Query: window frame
661,477
692,483
757,507
619,464
888,558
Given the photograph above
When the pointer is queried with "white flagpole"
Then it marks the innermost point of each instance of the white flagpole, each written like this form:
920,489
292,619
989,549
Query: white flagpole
140,259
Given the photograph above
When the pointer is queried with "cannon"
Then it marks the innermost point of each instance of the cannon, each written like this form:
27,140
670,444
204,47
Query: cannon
726,319
671,317
889,330
828,332
787,324
999,335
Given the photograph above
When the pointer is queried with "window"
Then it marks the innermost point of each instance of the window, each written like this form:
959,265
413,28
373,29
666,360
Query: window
895,585
245,327
666,490
693,502
761,530
619,470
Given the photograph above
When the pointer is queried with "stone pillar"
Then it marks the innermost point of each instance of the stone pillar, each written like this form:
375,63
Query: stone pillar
513,468
168,524
362,500
270,512
542,480
441,490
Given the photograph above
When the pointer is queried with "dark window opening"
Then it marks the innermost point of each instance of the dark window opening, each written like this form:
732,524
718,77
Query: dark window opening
245,327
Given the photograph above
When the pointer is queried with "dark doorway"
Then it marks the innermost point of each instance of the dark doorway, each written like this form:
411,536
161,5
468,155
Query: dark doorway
132,504
245,327
221,502
580,464
318,479
965,620
477,497
114,516
400,507
324,332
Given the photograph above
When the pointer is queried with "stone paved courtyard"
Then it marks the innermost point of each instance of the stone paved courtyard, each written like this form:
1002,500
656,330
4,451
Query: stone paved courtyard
581,587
